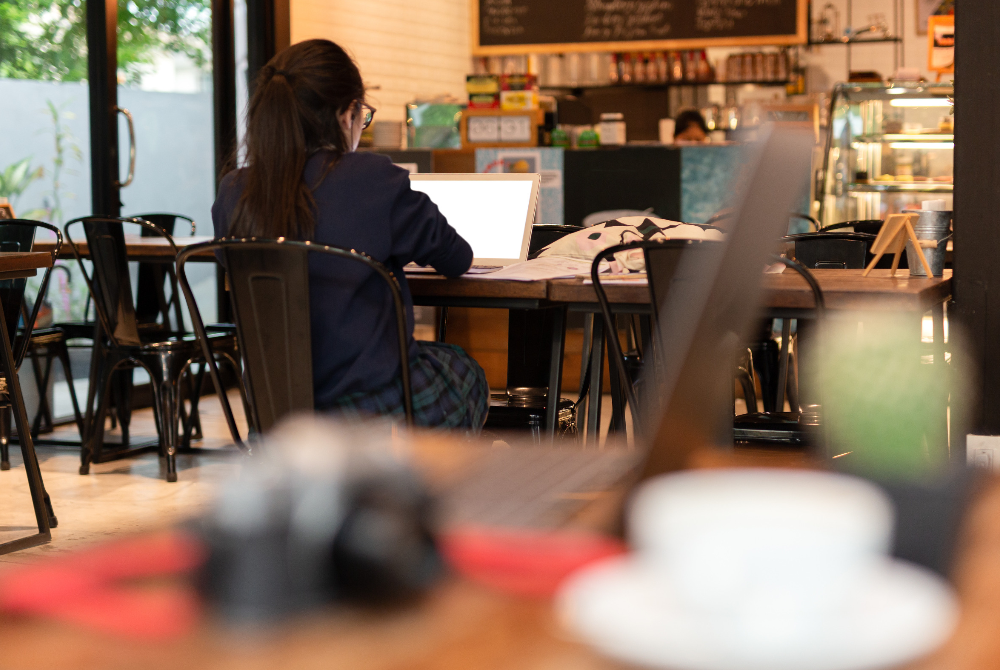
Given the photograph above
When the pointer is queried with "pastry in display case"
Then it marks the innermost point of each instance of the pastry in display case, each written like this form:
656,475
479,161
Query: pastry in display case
889,148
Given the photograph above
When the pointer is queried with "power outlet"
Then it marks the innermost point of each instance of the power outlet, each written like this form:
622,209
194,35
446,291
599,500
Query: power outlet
983,451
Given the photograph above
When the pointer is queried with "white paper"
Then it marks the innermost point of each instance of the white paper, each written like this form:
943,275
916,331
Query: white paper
630,279
542,268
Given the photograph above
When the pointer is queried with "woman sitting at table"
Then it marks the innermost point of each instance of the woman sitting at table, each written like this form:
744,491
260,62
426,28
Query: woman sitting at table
304,180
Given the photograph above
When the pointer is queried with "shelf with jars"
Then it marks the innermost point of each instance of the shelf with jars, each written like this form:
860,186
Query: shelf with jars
890,146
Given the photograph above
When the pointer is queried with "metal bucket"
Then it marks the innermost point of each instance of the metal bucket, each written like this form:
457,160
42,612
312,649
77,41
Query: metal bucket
930,225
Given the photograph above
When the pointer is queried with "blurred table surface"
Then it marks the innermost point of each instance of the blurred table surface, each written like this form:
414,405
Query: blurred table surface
16,264
462,625
842,290
139,248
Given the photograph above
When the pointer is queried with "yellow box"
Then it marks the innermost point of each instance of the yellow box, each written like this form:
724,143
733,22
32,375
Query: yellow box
518,100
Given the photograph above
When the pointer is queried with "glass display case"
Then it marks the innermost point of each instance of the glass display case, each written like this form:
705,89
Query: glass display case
889,148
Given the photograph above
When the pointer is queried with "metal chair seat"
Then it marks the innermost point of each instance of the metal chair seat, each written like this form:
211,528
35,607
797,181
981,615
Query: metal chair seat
174,340
46,336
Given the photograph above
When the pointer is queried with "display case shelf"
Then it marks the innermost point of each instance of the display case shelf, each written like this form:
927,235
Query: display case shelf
876,40
906,137
906,187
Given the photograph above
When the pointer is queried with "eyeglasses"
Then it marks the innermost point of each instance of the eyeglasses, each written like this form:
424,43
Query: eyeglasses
369,114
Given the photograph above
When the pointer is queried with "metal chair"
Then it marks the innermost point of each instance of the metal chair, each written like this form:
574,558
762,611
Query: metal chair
153,308
269,288
664,270
19,235
779,427
165,355
46,346
663,263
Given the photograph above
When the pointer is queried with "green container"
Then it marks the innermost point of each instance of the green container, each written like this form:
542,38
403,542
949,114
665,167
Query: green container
588,139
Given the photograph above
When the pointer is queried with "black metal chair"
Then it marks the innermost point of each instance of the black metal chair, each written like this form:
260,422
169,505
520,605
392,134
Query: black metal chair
165,355
269,288
155,309
19,235
780,427
46,346
663,262
664,270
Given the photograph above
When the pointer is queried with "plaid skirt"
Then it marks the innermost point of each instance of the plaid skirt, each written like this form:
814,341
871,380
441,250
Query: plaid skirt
449,391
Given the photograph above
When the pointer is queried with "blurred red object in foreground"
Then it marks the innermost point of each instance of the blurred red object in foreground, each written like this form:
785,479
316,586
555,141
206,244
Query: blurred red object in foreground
100,587
530,563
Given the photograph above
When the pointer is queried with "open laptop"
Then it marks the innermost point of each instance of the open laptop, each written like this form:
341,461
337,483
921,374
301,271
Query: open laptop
493,212
702,320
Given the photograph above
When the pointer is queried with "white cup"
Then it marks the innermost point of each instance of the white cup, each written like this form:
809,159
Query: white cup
666,131
746,544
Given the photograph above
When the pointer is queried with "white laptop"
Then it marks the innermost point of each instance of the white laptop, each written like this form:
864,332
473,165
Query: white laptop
493,212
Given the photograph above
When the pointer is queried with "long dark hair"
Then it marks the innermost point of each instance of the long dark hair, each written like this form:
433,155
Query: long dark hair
292,114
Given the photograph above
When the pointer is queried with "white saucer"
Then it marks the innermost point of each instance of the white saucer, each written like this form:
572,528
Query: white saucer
902,614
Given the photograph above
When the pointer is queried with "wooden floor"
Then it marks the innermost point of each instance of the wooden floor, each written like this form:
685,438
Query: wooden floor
127,495
120,496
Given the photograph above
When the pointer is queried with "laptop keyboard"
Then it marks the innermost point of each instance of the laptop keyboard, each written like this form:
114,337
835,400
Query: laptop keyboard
535,487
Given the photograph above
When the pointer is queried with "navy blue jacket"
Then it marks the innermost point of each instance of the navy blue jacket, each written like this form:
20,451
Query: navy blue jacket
365,203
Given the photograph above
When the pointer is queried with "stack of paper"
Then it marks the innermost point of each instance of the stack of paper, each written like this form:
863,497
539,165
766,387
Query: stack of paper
551,267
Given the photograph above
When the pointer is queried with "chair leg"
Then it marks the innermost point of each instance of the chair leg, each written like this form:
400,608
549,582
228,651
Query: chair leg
5,417
191,421
43,416
232,360
744,372
167,372
94,443
62,352
168,397
122,384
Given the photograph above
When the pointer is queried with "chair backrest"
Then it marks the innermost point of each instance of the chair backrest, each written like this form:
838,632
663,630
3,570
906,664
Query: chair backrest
111,284
13,238
269,288
151,302
18,235
870,226
663,262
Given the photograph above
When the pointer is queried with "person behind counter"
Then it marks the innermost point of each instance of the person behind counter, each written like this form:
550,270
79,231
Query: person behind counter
690,126
304,180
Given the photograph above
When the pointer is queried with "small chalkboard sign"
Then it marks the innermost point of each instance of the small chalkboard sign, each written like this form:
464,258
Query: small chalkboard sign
6,210
557,26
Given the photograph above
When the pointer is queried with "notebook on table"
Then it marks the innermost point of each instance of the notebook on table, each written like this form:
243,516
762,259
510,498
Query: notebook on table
493,212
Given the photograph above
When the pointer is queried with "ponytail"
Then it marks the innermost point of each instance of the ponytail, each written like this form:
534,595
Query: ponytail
294,112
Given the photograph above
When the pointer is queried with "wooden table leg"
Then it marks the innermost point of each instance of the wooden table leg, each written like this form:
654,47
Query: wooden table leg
786,336
35,485
555,370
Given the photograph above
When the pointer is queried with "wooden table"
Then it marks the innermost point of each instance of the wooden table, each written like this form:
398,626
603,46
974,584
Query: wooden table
17,265
787,292
786,296
465,626
140,248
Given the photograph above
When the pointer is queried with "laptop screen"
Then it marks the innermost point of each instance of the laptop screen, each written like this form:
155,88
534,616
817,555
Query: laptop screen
493,212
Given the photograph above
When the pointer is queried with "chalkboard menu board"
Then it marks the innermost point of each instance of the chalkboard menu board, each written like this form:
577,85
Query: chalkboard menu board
527,26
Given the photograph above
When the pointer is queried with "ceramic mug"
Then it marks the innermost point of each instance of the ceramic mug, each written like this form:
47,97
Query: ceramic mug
758,542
